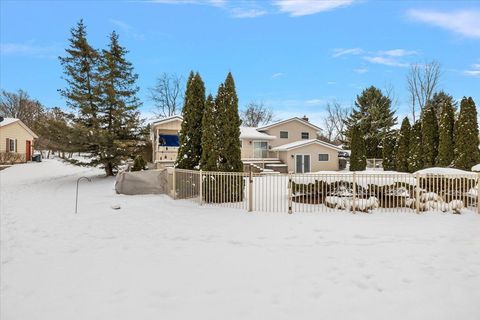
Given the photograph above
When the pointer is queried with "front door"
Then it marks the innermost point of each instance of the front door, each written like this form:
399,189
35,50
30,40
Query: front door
28,151
302,163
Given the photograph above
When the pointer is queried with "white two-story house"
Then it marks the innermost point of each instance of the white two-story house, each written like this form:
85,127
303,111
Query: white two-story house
291,145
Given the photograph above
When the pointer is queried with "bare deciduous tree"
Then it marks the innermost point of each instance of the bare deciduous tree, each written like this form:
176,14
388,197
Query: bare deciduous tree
256,114
334,123
167,95
422,82
19,105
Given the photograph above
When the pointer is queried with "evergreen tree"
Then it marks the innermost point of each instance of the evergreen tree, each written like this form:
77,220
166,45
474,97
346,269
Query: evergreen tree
445,129
118,114
228,127
466,150
441,100
389,150
190,151
80,68
209,158
358,160
415,157
374,117
429,136
403,146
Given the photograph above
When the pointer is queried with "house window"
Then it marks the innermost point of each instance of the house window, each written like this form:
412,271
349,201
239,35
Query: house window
305,135
12,145
322,157
283,134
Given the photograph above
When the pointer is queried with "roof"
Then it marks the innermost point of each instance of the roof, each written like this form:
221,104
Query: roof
7,121
167,119
476,167
303,143
252,133
289,120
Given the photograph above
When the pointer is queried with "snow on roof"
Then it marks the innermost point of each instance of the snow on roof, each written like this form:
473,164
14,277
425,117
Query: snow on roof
288,120
167,119
8,121
476,167
301,143
252,133
442,171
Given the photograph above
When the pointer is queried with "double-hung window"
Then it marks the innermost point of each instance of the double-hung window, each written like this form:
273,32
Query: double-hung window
305,135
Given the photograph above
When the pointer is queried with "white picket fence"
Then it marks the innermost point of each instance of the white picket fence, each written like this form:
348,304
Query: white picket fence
323,192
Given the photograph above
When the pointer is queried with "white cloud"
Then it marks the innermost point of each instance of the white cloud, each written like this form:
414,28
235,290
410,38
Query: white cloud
464,22
398,52
278,75
307,7
474,70
29,49
314,102
388,61
342,52
247,13
128,29
361,70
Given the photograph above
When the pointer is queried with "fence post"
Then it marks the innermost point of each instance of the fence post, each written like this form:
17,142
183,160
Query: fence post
174,184
354,198
478,193
250,190
417,193
200,191
290,193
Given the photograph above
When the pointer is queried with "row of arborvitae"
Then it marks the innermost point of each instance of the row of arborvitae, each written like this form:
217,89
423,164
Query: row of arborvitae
440,138
210,137
102,92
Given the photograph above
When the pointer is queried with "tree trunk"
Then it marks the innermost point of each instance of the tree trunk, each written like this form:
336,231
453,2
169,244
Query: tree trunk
109,169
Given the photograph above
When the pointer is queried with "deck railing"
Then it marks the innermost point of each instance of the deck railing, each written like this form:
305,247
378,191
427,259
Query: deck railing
323,192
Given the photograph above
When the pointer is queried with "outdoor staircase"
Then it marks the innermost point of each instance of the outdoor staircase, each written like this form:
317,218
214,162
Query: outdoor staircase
265,165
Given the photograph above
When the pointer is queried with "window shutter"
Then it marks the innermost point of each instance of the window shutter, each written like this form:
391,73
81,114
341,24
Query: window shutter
7,149
15,145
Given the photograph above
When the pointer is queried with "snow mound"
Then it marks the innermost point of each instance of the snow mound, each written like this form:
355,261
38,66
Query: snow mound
476,168
443,171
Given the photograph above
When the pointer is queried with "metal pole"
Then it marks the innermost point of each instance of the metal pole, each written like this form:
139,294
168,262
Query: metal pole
250,190
478,193
290,193
76,194
174,184
417,193
200,192
354,192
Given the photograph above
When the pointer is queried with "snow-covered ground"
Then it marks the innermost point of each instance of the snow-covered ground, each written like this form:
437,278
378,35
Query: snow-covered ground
157,258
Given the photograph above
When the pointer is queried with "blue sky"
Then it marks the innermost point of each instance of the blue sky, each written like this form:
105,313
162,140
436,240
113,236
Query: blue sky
294,55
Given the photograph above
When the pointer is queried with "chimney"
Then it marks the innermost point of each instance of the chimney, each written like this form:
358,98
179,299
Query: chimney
305,118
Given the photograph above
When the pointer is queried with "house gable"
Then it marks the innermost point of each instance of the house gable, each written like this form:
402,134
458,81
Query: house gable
290,130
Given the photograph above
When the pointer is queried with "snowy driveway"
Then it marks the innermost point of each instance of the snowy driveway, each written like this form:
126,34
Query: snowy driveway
156,258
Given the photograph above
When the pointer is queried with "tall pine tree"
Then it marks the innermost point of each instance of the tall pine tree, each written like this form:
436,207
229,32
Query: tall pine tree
209,160
374,118
228,127
445,128
401,157
190,150
358,160
466,150
389,150
429,136
415,156
82,94
118,111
